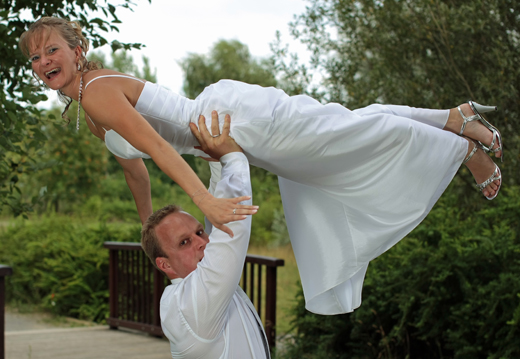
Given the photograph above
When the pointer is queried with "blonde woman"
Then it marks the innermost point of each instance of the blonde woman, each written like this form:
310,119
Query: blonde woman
353,183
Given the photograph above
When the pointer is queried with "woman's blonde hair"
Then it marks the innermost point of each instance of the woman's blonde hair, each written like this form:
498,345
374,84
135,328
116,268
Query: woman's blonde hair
70,32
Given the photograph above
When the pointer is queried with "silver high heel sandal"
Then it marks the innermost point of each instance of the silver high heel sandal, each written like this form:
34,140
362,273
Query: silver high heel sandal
478,110
497,175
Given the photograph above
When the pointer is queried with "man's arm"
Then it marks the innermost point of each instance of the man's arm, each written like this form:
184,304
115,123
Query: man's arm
204,296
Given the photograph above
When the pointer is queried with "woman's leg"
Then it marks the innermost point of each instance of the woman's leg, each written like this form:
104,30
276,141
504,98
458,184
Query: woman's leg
448,120
474,129
482,167
435,118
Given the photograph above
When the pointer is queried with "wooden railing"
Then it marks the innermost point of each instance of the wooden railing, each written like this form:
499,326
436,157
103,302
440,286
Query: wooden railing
136,287
4,271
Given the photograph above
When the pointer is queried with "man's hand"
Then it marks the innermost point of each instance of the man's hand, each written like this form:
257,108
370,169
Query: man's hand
216,145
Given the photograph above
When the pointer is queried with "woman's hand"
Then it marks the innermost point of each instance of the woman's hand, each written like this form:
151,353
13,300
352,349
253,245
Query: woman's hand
224,210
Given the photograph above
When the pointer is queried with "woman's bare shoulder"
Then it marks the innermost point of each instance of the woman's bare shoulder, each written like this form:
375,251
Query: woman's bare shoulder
112,81
113,76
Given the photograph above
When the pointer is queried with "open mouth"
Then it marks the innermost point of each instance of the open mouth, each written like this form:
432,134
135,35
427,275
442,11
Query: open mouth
52,73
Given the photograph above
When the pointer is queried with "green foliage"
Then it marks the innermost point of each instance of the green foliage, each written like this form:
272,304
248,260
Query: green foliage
449,290
20,121
123,62
72,163
61,264
227,60
421,53
268,226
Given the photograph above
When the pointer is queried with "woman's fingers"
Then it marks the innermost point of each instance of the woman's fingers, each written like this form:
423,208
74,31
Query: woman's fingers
226,229
240,211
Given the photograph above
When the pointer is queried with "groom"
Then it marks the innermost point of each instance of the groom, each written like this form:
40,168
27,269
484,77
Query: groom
204,313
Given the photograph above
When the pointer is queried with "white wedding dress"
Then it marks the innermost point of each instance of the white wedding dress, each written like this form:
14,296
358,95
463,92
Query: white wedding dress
353,183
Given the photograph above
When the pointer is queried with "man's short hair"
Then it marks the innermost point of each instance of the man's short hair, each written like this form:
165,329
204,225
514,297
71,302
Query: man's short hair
149,240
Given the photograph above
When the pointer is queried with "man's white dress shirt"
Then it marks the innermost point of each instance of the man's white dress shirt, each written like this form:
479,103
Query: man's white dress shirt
206,314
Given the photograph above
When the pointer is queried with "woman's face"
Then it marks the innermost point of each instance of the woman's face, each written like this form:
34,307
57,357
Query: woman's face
54,62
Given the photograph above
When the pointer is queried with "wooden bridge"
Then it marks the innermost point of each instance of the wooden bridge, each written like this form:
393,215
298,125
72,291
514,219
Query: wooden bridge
135,288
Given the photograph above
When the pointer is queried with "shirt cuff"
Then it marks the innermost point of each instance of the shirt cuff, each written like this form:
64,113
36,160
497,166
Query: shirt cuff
234,162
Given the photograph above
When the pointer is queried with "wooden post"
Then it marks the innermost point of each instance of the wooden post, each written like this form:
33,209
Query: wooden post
271,266
4,271
270,306
112,284
158,288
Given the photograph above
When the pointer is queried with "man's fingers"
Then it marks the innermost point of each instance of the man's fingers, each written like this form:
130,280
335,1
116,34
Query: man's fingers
215,131
227,125
196,133
203,128
195,130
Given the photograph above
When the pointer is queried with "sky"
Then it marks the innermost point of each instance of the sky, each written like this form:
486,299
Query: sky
171,29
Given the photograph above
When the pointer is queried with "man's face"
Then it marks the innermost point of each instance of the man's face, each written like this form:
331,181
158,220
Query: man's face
183,240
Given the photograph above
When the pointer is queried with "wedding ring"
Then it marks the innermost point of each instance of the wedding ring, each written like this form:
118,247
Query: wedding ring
234,211
215,136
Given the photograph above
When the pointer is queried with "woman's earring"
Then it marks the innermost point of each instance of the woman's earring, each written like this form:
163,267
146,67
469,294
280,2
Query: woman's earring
37,79
79,67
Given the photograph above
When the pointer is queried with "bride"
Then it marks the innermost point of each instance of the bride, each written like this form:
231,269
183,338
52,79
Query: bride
353,183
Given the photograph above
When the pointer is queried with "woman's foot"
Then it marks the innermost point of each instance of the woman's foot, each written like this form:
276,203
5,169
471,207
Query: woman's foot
474,129
483,170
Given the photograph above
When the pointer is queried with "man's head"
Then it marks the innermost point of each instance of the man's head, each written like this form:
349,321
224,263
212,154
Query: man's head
174,241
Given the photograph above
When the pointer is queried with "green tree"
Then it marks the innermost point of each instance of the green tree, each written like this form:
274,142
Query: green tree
227,60
20,120
73,164
422,53
122,61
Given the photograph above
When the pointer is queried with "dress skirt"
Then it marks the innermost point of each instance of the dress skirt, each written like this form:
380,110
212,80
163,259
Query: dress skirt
353,183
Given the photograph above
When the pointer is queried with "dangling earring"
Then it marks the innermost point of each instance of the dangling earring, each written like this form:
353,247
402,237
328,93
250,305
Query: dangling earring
79,67
37,79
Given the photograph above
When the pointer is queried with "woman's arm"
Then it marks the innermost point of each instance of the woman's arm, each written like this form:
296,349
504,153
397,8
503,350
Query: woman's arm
109,106
136,176
138,181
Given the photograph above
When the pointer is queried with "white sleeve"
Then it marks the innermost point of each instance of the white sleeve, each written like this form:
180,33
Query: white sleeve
203,297
216,173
